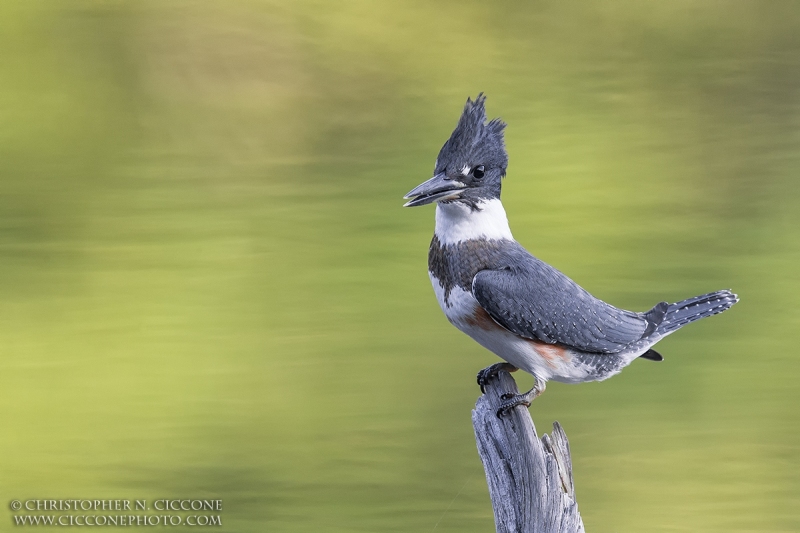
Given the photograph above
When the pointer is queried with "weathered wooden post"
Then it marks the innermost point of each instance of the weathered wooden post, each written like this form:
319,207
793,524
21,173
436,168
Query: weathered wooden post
530,480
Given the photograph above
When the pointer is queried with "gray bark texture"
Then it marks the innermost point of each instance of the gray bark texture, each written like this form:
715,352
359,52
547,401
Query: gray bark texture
530,480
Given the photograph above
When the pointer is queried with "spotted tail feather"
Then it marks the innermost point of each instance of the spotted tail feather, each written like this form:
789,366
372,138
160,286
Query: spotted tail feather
681,313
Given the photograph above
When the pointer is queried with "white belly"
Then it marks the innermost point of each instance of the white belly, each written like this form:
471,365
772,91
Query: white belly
464,312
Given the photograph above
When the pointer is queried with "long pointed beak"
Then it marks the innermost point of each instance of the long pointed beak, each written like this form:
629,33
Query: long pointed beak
439,187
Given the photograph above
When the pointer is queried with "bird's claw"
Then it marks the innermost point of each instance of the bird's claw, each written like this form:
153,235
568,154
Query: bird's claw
511,400
485,375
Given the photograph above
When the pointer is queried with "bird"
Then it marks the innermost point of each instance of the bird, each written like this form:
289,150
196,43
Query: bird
525,311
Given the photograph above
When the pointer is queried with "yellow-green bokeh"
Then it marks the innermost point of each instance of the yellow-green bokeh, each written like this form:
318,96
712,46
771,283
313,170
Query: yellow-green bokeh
208,287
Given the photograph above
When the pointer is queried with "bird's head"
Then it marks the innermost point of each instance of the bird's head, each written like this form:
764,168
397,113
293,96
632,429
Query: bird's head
471,164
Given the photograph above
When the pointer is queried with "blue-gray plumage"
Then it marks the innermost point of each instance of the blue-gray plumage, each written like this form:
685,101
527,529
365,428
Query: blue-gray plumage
522,309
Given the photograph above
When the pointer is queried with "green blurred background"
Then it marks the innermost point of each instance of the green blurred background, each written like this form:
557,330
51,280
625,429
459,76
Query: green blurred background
208,287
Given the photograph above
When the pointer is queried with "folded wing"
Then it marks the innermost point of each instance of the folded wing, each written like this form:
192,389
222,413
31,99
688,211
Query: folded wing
536,301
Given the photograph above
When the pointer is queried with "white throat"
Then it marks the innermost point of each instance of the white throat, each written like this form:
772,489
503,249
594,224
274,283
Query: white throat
456,222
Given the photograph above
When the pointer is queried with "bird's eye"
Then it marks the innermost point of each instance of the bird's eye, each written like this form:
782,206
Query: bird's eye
478,172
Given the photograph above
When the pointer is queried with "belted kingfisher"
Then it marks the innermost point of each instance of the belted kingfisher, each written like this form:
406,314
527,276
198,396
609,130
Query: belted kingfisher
522,309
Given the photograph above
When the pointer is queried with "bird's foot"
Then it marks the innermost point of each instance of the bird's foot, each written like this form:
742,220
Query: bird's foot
485,375
511,400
